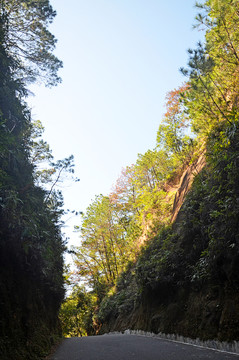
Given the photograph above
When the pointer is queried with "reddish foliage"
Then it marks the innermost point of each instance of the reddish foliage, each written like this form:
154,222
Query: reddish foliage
174,104
122,186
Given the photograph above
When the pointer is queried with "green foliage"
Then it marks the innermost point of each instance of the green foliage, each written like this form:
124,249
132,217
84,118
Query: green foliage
213,68
202,247
48,173
76,313
31,243
150,172
223,228
105,247
112,226
124,298
157,264
173,133
208,240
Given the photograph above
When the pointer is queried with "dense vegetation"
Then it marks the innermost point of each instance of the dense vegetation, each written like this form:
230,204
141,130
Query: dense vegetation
138,268
135,267
31,246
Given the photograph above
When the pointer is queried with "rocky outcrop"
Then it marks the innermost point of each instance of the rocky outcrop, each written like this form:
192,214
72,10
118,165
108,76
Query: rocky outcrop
185,183
211,313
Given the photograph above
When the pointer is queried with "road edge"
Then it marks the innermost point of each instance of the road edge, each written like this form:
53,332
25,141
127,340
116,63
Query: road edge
230,348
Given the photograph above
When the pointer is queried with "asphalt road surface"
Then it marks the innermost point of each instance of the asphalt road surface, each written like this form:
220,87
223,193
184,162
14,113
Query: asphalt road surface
133,347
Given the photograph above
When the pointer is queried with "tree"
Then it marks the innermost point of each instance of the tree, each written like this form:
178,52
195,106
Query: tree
213,68
173,133
123,198
150,174
27,40
48,173
105,246
76,313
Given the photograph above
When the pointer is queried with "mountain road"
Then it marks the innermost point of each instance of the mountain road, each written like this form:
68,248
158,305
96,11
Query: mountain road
134,347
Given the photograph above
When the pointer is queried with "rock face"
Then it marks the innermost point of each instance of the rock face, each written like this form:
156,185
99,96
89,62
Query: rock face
185,183
176,188
209,313
204,314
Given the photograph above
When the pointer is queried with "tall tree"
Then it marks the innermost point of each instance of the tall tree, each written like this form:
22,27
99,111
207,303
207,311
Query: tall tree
173,132
103,251
28,41
213,67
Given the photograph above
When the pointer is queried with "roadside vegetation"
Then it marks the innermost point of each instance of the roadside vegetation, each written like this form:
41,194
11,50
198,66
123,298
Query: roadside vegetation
130,251
144,260
31,205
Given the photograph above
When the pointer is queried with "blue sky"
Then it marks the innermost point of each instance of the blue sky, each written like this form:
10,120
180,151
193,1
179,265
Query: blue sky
120,58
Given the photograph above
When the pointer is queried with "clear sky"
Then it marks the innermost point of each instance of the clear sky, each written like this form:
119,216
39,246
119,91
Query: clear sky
120,58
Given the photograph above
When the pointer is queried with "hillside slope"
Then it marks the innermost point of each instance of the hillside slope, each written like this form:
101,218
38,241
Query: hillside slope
186,279
155,265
